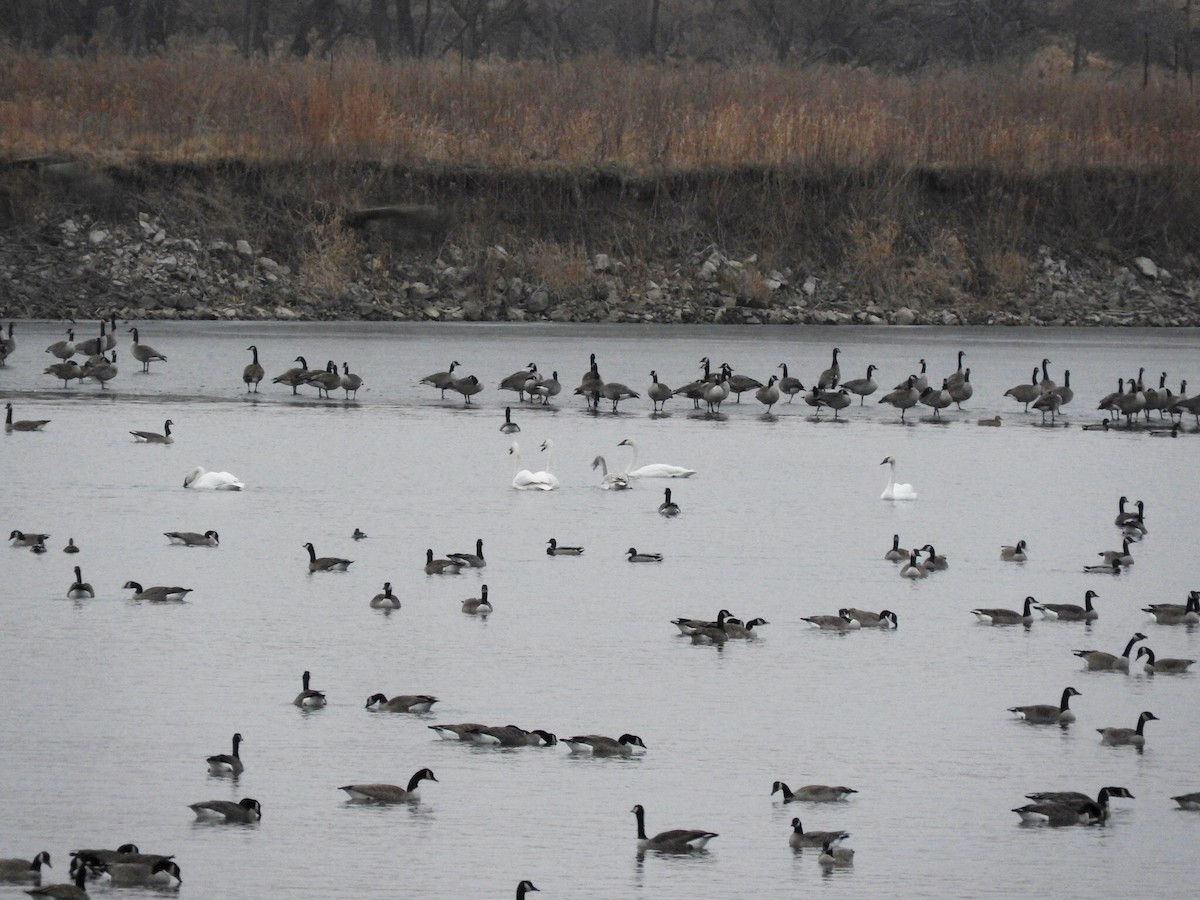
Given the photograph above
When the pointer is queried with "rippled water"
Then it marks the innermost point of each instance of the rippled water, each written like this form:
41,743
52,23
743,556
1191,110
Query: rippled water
112,705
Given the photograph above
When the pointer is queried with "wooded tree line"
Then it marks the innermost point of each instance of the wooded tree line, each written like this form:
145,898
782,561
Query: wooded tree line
892,35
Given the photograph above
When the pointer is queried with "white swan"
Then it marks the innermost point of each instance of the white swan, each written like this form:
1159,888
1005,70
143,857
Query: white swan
524,480
654,470
199,479
895,491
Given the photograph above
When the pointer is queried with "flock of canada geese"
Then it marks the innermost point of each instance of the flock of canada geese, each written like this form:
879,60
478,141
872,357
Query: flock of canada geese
127,865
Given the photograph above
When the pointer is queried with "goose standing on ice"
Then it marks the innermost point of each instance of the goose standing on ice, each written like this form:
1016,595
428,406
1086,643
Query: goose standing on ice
904,397
144,353
789,384
863,387
1026,393
254,372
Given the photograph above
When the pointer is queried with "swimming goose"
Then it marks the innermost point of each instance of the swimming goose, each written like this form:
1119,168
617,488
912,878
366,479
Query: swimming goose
636,557
1175,613
1070,612
349,382
326,380
21,539
22,424
830,377
193,539
1026,393
668,507
937,400
1048,713
163,872
799,838
64,891
1100,661
841,622
885,618
1125,519
253,373
677,840
386,599
813,793
897,553
144,353
913,568
1131,737
687,626
1163,665
460,732
441,380
658,392
201,480
441,566
401,703
833,855
471,560
227,763
509,426
652,470
1082,802
153,437
768,394
1188,801
1014,552
244,811
24,869
511,736
307,698
555,550
325,563
516,381
895,491
933,562
71,547
1112,568
358,534
1060,814
524,887
79,588
295,376
67,371
478,606
713,633
63,349
156,593
1121,556
789,384
863,387
993,422
999,616
736,628
599,745
610,482
525,480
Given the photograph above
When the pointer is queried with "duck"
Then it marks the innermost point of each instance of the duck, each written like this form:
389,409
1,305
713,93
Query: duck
471,560
358,534
993,422
509,426
1127,737
813,793
841,622
442,380
308,698
904,397
386,599
555,550
862,387
525,480
478,606
349,382
254,372
652,470
1174,614
156,593
1026,393
24,539
768,394
599,745
1082,803
799,838
72,891
210,538
227,763
63,349
153,437
789,384
144,353
325,563
1014,552
897,553
636,557
999,616
1163,665
1048,713
615,481
1102,425
401,703
1101,661
245,811
668,507
677,840
22,424
79,588
833,855
895,491
71,547
38,548
1070,612
658,392
913,568
441,566
24,869
933,562
885,618
200,480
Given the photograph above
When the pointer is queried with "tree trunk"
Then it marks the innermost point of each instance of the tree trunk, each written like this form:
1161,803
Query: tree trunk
406,32
652,29
381,28
255,22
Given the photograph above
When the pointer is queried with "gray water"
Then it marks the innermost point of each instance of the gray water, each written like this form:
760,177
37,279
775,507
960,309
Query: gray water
112,705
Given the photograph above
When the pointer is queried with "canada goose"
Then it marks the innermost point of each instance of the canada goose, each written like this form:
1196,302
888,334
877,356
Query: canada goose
100,369
600,745
441,380
717,393
830,377
516,381
509,426
253,373
897,553
735,628
38,548
386,599
544,388
1121,556
1070,612
67,371
687,626
1014,552
512,736
636,557
1048,403
295,376
993,422
73,891
152,437
841,622
885,618
1188,801
1100,661
193,539
1133,737
919,380
22,424
307,698
1163,665
833,855
524,887
738,384
799,838
245,810
933,562
677,840
63,349
768,394
1065,393
668,507
460,732
1046,385
472,560
863,387
913,568
964,390
1123,517
358,534
1112,568
227,763
326,380
1048,713
21,539
79,588
97,859
350,383
791,385
1108,401
616,392
652,470
201,480
999,616
835,400
895,491
1026,393
658,392
441,566
24,869
615,481
1082,802
937,400
325,563
1174,614
144,353
401,703
162,872
478,606
1060,814
813,793
555,550
71,546
714,633
157,593
590,386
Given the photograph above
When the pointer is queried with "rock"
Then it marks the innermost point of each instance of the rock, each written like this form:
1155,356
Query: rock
267,264
244,249
1142,264
904,316
97,236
